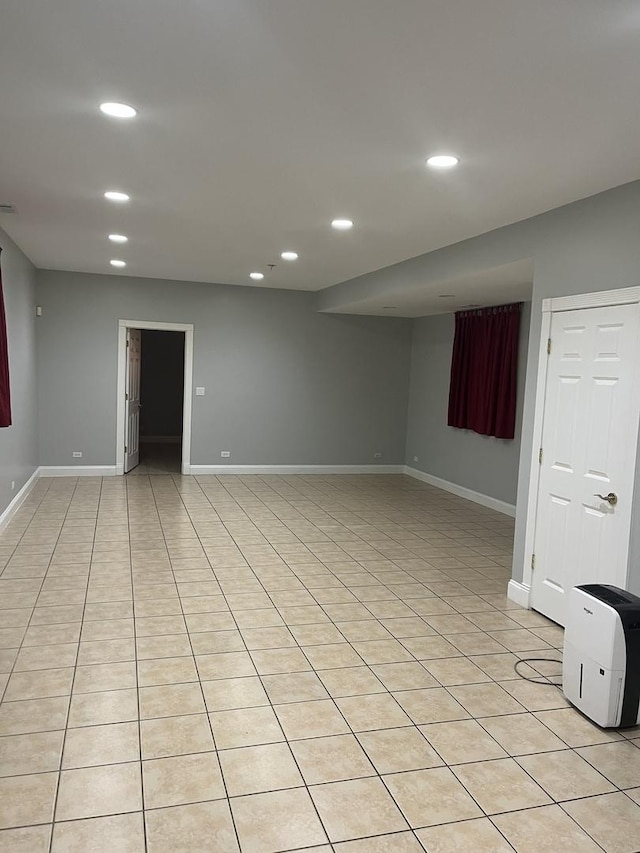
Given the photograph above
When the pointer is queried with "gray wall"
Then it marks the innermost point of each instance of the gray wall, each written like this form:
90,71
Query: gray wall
161,383
587,246
485,464
284,384
18,443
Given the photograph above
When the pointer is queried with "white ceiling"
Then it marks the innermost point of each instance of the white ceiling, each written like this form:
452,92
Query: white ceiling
261,120
496,286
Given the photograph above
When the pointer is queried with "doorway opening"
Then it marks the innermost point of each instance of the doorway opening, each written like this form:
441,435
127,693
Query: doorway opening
155,367
161,400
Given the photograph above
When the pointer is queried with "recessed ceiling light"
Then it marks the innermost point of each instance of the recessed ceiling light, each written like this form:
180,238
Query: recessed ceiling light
118,110
118,238
112,195
442,161
446,296
256,276
342,224
117,263
289,256
389,306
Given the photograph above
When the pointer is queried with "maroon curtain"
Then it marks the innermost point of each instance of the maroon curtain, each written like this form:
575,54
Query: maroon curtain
484,369
5,396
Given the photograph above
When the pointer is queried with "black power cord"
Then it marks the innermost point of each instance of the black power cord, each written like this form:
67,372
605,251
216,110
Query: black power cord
547,679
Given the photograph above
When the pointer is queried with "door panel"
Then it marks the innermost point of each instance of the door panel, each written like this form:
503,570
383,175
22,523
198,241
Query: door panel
132,402
589,440
566,427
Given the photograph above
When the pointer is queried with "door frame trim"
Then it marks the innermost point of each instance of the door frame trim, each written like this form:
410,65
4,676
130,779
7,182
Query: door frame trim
598,299
155,325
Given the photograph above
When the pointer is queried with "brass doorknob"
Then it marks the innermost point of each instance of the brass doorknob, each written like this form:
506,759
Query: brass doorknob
611,498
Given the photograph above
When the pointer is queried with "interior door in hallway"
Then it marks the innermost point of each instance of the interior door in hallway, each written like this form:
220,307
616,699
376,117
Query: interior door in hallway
132,401
588,453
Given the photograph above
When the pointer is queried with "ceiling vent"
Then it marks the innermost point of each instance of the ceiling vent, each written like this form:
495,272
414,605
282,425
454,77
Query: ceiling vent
7,208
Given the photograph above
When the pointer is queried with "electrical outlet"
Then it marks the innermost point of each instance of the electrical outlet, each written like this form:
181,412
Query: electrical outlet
200,391
225,454
77,454
13,485
415,458
377,455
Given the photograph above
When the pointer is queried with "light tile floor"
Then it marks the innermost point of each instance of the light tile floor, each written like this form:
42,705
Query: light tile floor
279,663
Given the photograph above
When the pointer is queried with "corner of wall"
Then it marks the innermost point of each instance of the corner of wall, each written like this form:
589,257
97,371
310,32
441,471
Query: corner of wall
18,448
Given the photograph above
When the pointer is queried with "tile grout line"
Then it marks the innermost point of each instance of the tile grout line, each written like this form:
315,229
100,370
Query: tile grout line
285,739
75,669
204,701
135,654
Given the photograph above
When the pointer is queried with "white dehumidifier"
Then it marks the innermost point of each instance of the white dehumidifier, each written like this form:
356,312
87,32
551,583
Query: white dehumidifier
601,660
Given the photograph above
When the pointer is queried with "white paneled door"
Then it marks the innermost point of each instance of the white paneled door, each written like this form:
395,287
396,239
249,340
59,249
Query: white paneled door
132,400
588,454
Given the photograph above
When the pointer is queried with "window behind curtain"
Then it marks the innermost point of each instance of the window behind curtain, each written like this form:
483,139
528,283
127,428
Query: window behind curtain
484,370
5,394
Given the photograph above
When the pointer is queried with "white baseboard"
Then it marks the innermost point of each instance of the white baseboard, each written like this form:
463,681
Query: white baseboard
77,471
296,469
462,491
519,592
18,500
